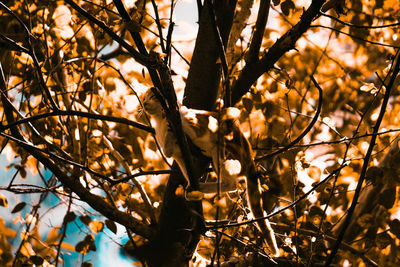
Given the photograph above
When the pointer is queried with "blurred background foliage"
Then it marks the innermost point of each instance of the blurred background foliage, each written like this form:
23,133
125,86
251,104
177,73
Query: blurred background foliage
50,51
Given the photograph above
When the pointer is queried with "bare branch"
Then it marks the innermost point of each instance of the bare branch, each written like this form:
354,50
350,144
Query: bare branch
132,176
79,114
12,45
353,36
309,127
252,71
261,22
72,182
31,52
393,74
360,26
293,204
142,59
140,45
349,247
159,27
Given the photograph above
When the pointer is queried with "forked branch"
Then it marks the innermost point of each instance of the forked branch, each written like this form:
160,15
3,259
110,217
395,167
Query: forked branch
253,70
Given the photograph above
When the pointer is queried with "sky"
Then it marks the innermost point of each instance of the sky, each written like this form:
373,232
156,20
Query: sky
108,250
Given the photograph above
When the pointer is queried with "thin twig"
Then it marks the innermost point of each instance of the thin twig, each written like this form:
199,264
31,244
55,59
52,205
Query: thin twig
28,188
332,174
96,202
159,27
248,246
28,145
360,26
14,45
79,114
140,45
309,127
220,44
31,52
133,176
350,211
353,36
142,59
64,231
251,72
361,254
139,186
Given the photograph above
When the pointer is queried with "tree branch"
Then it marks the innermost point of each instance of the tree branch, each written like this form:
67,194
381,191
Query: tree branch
142,59
252,71
350,211
262,18
13,45
309,127
361,254
139,44
79,114
291,205
205,73
360,26
31,52
72,182
354,36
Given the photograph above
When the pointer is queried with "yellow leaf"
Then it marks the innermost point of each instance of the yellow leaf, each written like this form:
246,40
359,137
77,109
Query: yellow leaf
52,236
233,166
221,203
67,246
265,187
180,191
27,250
96,226
62,16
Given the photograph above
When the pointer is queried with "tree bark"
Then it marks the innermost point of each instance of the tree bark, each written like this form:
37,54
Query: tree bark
181,222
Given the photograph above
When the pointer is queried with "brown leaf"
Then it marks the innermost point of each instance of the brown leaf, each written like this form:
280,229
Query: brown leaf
248,104
286,6
133,25
111,225
388,197
3,201
85,219
37,260
69,217
383,240
395,227
18,207
276,2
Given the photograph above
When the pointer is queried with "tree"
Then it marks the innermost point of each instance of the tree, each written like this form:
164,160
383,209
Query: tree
317,87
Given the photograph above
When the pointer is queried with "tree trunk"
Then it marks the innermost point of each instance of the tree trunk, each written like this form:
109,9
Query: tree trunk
181,222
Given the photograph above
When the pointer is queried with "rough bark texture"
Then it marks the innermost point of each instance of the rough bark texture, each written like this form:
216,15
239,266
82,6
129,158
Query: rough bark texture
205,73
181,222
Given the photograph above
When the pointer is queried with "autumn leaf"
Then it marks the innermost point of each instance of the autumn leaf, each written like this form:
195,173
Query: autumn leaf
18,207
37,260
3,200
85,219
96,226
69,217
111,225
